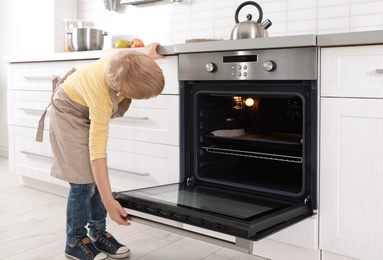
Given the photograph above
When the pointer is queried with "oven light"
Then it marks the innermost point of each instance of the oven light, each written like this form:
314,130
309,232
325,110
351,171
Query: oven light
249,102
238,102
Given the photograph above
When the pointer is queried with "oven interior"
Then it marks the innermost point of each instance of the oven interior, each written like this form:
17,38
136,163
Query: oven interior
254,137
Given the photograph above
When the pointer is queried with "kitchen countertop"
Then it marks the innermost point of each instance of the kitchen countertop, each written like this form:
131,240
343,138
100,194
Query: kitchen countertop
80,55
350,39
324,40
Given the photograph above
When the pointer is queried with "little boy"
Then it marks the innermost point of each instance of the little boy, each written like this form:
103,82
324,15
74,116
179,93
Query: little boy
82,106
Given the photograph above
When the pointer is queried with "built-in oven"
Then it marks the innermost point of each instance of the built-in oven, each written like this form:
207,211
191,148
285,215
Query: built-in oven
248,144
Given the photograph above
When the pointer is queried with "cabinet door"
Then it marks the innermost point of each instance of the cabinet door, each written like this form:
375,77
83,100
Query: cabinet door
352,71
37,76
134,165
351,179
154,120
169,68
331,256
26,107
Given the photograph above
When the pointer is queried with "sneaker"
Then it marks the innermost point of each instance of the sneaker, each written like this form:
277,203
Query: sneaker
84,250
109,245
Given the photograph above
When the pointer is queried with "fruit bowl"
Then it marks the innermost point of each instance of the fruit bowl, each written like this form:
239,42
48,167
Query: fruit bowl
125,37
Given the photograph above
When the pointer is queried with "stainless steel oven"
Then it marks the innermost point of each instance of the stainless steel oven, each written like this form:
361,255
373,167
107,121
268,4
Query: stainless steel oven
248,144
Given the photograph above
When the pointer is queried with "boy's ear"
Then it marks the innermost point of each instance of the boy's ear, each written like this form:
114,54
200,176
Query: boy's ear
119,94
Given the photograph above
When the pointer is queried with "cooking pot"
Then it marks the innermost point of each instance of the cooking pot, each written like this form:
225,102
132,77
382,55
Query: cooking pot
87,39
250,29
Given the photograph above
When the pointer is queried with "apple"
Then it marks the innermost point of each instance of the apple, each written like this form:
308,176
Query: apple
136,43
122,44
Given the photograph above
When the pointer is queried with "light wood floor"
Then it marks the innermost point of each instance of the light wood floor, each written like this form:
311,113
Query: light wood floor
32,226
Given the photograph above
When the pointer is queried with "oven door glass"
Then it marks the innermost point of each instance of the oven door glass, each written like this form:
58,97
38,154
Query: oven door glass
231,212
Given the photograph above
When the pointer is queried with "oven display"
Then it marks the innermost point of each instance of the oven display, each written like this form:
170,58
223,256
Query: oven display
240,58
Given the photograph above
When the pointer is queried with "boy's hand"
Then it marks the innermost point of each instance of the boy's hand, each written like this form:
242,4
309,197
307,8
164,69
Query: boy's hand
151,51
117,213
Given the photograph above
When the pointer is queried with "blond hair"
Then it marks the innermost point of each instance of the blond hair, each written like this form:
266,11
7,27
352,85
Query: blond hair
134,74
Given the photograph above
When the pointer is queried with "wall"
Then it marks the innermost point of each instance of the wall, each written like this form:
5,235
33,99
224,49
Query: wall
28,28
170,23
5,29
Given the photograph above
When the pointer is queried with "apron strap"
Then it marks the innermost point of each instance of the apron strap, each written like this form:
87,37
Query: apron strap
40,128
119,109
113,94
56,81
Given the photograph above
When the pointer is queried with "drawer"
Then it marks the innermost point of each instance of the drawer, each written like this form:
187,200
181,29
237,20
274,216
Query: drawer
131,164
30,158
38,75
153,120
352,71
26,107
169,67
138,164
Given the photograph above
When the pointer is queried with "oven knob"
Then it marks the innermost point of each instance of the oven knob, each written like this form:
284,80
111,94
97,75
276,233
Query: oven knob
269,65
211,67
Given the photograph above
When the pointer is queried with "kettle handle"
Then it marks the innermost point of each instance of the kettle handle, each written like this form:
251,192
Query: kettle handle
249,3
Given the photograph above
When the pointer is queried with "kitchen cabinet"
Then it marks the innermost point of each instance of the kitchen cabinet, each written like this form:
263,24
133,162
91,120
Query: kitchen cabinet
143,147
351,152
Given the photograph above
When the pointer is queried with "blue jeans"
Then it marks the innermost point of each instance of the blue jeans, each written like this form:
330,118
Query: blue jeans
84,208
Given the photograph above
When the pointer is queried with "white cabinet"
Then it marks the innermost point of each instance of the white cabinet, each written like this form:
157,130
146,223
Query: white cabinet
29,93
351,152
143,147
154,120
352,72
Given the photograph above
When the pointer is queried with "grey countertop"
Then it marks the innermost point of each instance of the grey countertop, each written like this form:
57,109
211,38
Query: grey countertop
80,55
350,39
325,40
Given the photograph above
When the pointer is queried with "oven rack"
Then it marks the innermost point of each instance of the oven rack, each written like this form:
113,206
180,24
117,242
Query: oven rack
257,155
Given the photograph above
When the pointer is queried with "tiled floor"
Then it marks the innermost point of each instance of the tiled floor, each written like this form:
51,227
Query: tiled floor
32,226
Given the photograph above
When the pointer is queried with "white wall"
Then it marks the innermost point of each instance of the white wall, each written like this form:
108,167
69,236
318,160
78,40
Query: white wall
28,28
170,23
6,30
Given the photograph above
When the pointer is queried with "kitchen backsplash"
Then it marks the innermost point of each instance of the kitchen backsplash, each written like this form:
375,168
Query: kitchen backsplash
170,23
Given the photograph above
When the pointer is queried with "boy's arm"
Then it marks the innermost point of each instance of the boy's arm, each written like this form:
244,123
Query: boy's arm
101,176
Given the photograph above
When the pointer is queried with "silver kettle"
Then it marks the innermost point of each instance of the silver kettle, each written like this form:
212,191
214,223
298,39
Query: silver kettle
250,29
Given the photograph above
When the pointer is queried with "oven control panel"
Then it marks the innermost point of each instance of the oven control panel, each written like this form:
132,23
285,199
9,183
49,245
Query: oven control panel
273,64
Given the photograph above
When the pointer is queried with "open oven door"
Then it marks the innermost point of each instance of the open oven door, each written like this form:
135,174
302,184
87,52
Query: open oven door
244,216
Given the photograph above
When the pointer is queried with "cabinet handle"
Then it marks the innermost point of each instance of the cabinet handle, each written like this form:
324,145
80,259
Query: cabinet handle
36,154
130,172
379,71
39,77
135,118
31,110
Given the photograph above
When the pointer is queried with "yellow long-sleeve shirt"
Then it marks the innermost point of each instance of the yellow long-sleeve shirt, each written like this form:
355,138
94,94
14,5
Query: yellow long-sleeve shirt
88,87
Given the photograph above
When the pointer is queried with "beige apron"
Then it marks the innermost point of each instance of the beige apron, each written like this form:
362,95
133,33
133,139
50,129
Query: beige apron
69,134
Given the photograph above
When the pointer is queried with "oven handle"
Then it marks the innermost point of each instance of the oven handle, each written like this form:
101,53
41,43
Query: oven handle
240,244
